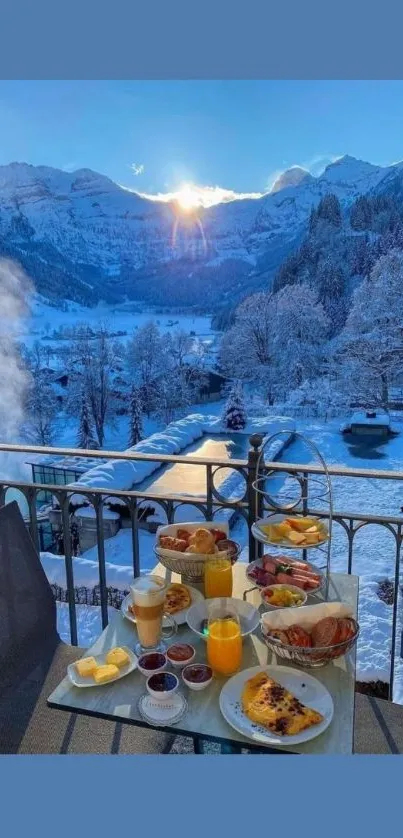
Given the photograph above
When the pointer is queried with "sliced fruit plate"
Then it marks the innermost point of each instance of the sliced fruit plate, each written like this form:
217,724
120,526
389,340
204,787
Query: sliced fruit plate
291,531
281,570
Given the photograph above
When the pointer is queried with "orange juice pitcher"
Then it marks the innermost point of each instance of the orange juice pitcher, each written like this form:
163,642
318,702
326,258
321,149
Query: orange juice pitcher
224,641
218,578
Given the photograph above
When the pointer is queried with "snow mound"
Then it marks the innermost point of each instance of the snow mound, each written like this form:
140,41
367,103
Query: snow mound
125,474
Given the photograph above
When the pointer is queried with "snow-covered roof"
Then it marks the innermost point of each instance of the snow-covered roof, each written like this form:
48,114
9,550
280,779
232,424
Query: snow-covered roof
81,464
360,417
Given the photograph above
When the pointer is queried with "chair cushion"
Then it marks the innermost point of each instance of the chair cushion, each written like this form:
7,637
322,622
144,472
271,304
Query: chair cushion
29,726
378,726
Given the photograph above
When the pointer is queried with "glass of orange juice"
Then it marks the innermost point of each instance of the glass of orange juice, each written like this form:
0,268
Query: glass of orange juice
224,640
218,577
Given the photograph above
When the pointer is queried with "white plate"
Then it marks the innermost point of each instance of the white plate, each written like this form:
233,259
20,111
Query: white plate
80,681
307,689
308,591
283,544
180,617
162,712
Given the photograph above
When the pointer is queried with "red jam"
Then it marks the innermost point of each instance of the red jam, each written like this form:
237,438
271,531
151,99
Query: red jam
162,682
152,660
180,652
198,673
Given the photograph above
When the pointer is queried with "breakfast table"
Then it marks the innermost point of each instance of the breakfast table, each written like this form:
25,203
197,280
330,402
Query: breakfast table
203,720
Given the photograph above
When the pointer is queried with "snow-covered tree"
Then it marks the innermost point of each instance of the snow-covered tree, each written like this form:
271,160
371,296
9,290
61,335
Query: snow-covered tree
90,365
234,416
329,209
135,418
42,409
301,328
146,362
370,348
246,349
86,437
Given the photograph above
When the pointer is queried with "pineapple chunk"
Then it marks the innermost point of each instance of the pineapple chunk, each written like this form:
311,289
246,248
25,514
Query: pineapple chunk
301,524
118,657
105,673
86,667
296,537
312,537
283,528
314,529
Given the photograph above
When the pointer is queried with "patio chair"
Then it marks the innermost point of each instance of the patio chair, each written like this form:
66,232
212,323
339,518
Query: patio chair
33,660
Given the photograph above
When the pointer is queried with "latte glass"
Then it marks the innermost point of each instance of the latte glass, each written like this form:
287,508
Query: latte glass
148,597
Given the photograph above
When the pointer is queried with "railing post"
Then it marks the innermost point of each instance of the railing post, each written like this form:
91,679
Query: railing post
98,505
209,492
254,498
395,608
68,558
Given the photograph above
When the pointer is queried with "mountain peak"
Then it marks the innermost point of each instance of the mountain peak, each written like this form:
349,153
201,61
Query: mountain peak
291,177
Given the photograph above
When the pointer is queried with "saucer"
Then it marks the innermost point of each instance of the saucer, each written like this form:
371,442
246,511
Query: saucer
162,713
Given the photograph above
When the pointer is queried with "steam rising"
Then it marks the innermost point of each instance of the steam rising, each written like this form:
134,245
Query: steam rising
15,290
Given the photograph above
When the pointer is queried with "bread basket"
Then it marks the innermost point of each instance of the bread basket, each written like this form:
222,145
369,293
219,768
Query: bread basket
306,617
189,565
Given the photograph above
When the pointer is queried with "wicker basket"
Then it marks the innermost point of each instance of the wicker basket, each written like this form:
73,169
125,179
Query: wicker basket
191,567
309,656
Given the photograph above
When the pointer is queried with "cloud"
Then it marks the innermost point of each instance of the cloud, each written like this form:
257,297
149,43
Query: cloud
202,196
137,168
316,165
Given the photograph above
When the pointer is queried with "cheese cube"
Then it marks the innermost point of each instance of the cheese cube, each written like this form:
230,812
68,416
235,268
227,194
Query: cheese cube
105,673
86,667
118,657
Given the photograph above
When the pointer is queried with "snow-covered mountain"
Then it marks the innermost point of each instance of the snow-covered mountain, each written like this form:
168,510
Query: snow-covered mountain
81,234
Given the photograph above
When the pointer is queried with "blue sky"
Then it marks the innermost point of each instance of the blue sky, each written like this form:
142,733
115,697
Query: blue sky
234,134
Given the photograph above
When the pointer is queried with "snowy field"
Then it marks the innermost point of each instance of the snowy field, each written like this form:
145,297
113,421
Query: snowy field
119,318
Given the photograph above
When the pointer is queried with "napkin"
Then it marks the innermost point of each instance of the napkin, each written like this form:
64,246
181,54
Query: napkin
305,616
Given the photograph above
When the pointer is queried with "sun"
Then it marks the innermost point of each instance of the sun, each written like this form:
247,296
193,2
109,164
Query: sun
188,197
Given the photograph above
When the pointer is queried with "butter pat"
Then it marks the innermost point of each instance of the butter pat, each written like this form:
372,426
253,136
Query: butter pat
86,667
105,673
118,657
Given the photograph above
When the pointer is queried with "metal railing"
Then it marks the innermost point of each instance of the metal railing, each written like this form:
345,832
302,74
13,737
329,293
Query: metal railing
247,504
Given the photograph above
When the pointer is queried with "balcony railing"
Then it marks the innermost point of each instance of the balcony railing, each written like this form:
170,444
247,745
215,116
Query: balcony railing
247,504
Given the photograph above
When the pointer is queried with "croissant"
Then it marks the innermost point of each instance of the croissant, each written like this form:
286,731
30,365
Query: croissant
201,541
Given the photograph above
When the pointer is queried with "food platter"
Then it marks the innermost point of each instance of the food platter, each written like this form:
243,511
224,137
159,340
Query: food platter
180,617
255,573
259,527
304,687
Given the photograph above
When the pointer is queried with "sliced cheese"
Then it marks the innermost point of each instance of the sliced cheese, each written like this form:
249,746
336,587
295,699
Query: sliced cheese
86,667
118,657
107,672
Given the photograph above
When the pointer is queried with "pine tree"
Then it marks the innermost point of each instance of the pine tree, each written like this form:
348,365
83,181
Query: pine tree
234,417
86,435
135,418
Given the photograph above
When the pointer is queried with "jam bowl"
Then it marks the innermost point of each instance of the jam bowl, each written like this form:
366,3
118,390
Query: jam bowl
180,654
197,676
152,662
162,685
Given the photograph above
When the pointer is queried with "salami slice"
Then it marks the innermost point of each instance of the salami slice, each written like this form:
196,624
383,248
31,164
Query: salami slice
325,632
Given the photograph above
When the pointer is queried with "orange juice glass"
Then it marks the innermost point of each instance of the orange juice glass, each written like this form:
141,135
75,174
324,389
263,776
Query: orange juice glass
224,644
218,578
